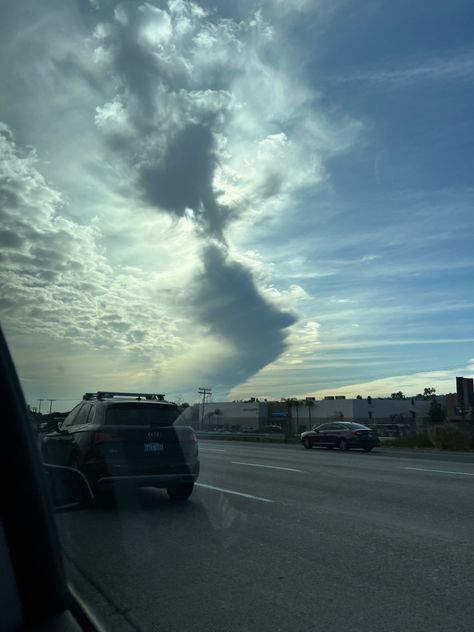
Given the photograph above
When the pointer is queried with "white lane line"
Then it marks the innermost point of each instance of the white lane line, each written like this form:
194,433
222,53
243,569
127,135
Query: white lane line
231,491
270,467
421,469
211,449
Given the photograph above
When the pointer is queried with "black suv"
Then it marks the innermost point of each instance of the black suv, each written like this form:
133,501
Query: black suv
126,437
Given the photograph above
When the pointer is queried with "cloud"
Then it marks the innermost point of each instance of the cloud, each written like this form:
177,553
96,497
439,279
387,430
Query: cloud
411,384
55,278
227,301
213,129
196,115
458,67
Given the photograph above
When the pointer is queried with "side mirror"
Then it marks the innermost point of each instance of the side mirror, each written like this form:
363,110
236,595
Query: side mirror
70,489
48,426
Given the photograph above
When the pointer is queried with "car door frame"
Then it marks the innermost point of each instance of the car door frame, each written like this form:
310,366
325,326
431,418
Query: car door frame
319,437
336,432
36,586
55,442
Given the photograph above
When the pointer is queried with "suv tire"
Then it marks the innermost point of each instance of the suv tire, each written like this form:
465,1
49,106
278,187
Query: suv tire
180,492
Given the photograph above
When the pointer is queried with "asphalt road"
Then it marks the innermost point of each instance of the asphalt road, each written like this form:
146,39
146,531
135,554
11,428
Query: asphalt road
281,538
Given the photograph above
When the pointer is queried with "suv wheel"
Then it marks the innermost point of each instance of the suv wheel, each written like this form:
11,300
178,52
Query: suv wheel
180,492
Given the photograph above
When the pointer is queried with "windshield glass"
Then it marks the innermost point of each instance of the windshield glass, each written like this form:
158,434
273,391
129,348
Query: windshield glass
140,415
262,213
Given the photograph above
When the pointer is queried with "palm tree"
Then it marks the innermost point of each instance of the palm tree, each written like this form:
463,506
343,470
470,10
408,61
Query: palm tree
309,405
297,404
290,402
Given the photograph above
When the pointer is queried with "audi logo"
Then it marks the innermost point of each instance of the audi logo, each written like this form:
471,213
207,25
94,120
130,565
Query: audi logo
154,435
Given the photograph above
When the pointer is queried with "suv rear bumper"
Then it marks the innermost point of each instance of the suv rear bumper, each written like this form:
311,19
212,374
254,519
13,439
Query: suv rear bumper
143,480
103,476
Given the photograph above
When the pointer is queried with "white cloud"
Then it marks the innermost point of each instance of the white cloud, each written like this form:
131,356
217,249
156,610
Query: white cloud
170,108
458,67
56,279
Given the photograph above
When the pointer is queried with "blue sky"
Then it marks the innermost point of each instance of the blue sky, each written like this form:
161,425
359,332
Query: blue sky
270,200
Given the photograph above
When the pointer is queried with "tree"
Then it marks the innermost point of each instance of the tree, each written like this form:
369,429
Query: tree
428,392
436,413
397,395
309,405
359,397
291,403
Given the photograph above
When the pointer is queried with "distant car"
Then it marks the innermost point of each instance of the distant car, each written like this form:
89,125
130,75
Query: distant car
126,437
272,428
341,434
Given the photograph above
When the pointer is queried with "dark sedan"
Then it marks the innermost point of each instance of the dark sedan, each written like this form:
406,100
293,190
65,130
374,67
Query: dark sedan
341,434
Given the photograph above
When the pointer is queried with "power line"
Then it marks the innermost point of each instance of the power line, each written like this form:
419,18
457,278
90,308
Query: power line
204,391
46,399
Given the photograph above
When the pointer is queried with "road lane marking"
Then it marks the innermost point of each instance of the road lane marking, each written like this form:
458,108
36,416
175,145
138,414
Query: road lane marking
421,469
231,491
270,467
211,449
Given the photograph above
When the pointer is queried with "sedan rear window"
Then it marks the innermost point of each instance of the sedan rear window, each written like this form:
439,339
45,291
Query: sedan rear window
140,415
354,426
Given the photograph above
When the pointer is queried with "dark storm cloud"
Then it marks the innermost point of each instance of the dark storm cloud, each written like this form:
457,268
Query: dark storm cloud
227,300
183,179
173,67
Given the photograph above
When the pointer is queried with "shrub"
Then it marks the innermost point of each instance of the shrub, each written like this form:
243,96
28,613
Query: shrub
416,441
452,437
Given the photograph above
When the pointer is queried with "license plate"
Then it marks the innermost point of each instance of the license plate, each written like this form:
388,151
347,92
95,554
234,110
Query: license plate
153,447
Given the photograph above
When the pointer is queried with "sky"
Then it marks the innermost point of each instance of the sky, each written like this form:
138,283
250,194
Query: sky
268,198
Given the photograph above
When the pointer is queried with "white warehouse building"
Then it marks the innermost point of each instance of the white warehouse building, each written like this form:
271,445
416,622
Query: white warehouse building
305,413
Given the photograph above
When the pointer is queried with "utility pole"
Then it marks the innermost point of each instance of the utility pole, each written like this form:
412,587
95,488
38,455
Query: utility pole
40,401
204,392
50,404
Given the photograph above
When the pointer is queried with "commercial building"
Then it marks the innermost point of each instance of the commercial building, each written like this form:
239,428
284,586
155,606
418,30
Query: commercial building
298,415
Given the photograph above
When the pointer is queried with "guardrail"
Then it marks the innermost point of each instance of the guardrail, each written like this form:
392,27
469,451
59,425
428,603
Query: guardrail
276,437
242,436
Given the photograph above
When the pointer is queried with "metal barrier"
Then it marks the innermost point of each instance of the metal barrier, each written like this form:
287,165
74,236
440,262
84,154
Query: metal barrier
244,436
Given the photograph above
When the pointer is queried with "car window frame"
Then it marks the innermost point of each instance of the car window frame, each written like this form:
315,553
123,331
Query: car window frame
69,419
75,421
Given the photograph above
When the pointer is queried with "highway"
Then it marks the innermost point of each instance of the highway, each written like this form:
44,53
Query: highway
278,538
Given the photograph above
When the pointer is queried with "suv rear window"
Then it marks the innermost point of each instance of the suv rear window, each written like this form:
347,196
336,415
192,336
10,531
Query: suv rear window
140,415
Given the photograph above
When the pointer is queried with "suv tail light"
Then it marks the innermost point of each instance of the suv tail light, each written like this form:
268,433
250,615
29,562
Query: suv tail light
188,435
105,437
357,433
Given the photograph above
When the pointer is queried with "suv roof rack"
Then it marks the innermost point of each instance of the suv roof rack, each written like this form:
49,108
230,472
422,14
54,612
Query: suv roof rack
111,394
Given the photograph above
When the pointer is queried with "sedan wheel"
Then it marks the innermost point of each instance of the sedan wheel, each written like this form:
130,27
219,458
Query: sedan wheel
307,443
343,445
368,449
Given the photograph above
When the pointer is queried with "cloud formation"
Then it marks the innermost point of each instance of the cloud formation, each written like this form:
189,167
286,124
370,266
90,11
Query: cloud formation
194,113
205,123
55,277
